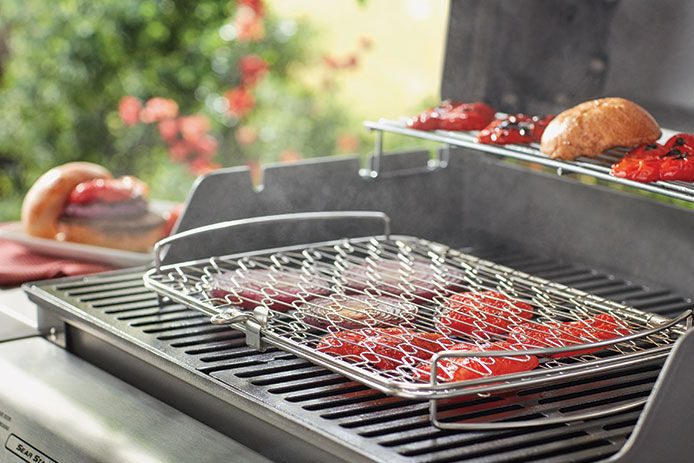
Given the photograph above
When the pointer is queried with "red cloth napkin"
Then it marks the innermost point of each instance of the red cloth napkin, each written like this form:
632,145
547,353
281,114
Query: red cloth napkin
18,265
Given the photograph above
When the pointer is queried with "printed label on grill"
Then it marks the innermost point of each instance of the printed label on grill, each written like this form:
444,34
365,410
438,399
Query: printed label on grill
26,451
5,420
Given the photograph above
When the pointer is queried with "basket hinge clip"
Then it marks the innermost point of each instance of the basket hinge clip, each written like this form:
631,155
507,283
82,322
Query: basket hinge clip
251,323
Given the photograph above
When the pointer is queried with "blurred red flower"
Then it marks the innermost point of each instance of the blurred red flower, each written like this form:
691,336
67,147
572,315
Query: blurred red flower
205,146
351,62
248,25
202,166
240,100
252,68
129,110
347,143
330,62
290,155
179,151
157,109
193,127
246,135
255,5
168,128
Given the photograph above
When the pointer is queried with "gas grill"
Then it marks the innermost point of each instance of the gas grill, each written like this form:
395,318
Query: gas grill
468,209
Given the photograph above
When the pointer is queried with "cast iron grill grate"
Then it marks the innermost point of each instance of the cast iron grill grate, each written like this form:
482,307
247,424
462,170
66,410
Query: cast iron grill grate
385,428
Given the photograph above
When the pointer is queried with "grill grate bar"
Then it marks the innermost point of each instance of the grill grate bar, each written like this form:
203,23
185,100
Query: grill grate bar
235,349
115,294
208,338
178,326
660,301
289,387
133,307
167,319
561,273
187,334
83,292
98,281
154,314
142,298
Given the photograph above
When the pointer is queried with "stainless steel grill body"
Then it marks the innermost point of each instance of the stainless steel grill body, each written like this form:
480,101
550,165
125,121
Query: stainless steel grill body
290,409
509,213
296,411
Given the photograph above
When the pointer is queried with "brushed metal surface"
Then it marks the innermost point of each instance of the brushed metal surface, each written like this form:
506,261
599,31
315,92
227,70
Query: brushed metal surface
72,411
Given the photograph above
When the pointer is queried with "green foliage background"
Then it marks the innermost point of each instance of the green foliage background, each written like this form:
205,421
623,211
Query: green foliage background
66,65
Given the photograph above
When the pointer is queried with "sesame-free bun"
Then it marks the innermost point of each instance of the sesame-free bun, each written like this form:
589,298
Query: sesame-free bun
47,197
138,234
45,203
594,126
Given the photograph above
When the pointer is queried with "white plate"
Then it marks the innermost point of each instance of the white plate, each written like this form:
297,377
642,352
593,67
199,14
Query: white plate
77,251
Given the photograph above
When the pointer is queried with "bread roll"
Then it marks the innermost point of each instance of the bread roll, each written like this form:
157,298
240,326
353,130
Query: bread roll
131,235
46,212
46,199
594,126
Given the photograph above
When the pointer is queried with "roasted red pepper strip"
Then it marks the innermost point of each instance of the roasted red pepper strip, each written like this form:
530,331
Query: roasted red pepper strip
599,328
453,116
384,348
653,162
467,368
515,129
481,314
108,190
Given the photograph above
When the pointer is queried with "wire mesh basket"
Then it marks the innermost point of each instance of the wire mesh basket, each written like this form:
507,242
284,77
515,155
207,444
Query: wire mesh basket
411,317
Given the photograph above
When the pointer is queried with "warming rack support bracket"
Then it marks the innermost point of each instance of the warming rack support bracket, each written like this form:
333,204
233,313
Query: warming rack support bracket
376,171
598,167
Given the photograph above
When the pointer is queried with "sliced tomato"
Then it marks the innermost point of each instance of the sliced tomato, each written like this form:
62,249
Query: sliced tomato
108,190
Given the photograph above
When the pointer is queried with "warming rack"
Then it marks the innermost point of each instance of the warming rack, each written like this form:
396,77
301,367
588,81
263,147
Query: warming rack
331,268
598,167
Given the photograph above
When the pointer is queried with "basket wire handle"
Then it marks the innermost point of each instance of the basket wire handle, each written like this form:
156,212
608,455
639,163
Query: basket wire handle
329,215
561,418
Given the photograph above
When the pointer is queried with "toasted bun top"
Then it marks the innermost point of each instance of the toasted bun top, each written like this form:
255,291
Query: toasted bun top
594,126
46,199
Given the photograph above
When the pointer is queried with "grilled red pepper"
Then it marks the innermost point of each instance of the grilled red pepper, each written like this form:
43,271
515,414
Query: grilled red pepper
515,129
652,162
599,328
467,368
481,314
453,116
384,348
